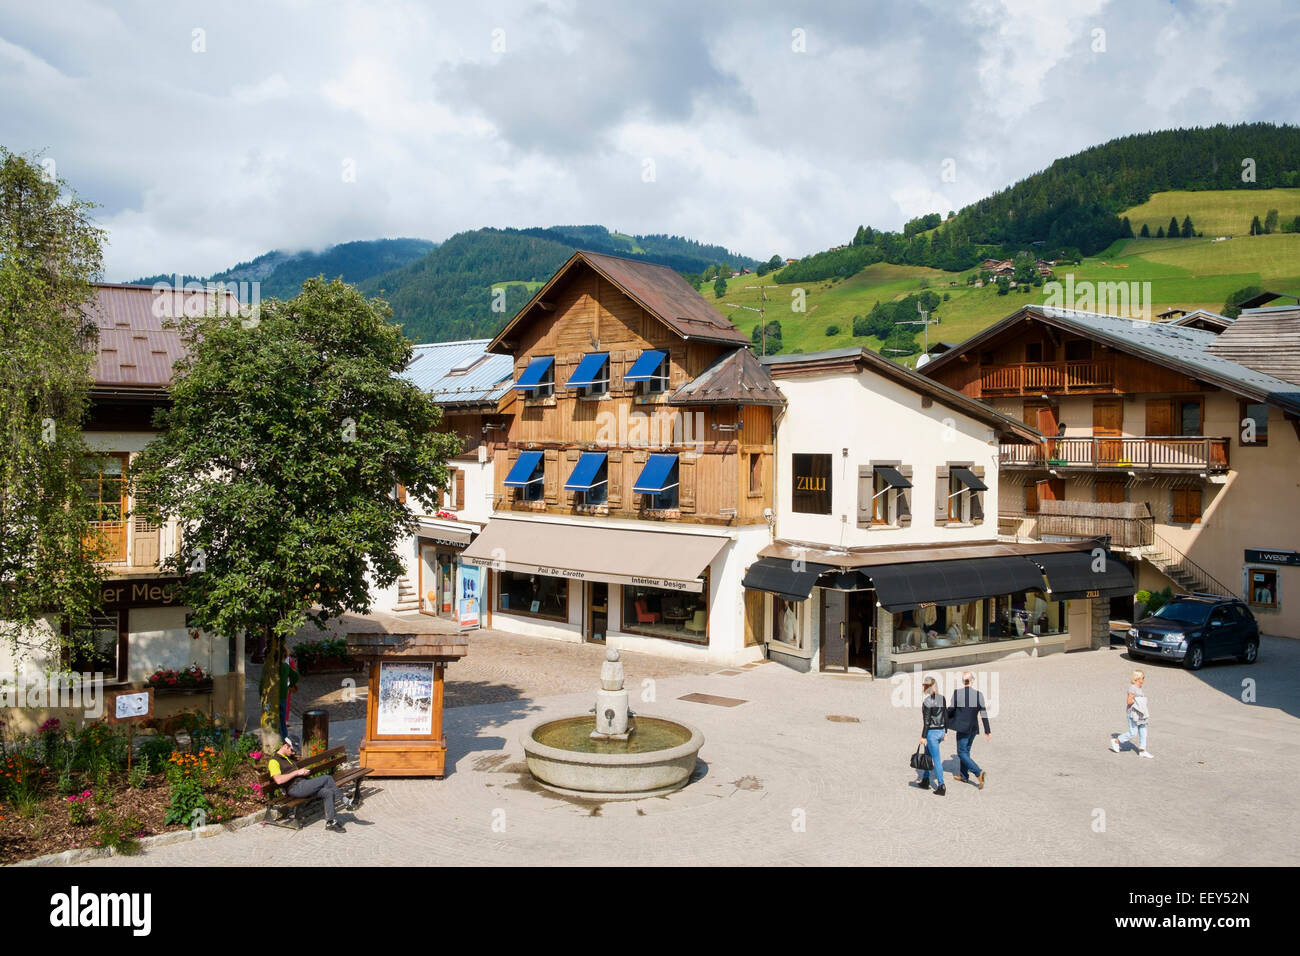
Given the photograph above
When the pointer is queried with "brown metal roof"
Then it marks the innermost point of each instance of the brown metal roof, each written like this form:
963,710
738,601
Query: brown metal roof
135,350
817,553
657,289
1267,340
737,378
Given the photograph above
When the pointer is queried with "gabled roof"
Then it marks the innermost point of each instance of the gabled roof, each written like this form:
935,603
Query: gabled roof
1173,346
657,289
1202,319
1267,340
460,373
1264,298
135,351
737,378
859,359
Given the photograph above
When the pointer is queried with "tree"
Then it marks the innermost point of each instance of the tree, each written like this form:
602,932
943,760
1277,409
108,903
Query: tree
1188,231
1126,228
1255,227
1172,232
775,262
50,253
1232,307
1160,233
1146,231
1270,222
1004,285
773,338
1026,267
281,455
719,287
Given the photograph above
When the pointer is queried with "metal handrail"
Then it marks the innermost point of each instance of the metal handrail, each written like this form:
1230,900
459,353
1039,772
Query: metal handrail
1204,578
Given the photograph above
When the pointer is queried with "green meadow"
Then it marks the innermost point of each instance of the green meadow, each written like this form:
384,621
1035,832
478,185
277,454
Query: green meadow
1225,212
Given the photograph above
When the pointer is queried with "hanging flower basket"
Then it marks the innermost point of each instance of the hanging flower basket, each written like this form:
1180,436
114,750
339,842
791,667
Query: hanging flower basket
188,680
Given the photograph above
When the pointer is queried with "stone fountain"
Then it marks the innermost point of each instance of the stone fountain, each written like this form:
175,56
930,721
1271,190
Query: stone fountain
612,753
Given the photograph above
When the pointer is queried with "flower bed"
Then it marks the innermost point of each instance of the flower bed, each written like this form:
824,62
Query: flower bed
317,657
64,790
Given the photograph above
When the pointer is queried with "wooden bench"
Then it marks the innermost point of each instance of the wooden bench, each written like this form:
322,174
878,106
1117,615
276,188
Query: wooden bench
329,761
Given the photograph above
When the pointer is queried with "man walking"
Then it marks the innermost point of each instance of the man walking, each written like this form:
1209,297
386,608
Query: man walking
967,704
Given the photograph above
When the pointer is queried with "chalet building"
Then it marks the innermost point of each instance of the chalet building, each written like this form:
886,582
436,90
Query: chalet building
1201,319
633,484
473,387
139,627
1178,443
886,555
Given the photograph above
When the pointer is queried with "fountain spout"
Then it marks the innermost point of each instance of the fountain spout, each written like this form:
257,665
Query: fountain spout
611,701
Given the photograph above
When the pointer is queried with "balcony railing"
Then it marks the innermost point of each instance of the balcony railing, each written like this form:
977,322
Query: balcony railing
1155,453
1125,524
1035,378
134,544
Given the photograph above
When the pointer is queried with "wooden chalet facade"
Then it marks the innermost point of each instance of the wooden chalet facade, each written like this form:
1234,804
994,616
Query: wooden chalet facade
1157,434
638,410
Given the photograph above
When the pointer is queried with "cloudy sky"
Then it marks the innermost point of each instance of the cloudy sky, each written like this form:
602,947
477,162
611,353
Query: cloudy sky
212,132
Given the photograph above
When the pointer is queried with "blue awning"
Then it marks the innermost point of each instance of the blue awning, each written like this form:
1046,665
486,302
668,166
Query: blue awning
588,370
645,366
585,472
521,475
534,374
656,475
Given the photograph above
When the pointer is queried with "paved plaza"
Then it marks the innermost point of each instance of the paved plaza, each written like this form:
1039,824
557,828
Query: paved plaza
812,769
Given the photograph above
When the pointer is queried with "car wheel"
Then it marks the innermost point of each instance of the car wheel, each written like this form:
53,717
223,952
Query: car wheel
1195,657
1251,653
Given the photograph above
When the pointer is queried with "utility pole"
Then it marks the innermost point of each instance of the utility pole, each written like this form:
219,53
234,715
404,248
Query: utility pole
761,310
925,321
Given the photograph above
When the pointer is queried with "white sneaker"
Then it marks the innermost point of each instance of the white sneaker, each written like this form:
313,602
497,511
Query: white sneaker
1114,745
1147,754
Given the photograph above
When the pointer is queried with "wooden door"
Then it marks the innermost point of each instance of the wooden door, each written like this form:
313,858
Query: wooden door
834,656
597,611
1050,489
1110,490
1108,421
1045,422
754,618
1160,417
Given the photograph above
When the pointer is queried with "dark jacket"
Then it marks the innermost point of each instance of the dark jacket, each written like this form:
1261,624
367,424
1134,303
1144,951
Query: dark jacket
967,702
934,714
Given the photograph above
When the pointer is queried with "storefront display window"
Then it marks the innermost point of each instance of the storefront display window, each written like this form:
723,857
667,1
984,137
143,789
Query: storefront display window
1263,587
656,612
1007,618
787,622
537,595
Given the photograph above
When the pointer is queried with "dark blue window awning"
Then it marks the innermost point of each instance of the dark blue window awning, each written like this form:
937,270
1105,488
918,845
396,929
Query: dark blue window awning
657,475
534,374
645,366
586,472
589,370
968,478
521,475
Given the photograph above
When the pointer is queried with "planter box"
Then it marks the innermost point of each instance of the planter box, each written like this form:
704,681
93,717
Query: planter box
330,665
203,687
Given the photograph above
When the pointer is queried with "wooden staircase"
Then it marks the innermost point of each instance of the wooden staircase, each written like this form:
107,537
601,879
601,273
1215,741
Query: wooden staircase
408,599
1186,574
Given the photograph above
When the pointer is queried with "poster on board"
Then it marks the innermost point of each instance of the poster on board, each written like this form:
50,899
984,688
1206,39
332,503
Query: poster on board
405,698
468,596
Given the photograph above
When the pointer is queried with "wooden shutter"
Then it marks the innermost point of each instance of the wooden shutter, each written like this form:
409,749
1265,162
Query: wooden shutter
614,475
941,495
511,456
866,487
905,498
977,498
1186,505
1047,423
551,483
639,458
686,484
1050,489
401,492
460,489
1160,417
1031,498
677,368
571,456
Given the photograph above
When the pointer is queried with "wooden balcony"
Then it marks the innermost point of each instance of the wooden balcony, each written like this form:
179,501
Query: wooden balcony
1038,378
1125,524
132,545
1191,453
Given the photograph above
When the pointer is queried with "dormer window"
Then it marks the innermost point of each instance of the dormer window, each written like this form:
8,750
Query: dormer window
592,375
650,371
538,379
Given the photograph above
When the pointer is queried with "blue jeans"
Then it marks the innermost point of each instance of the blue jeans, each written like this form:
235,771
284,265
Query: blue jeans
966,765
1135,730
932,740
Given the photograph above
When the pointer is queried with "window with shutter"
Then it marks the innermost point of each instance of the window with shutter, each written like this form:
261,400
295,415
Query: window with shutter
905,498
977,499
941,482
551,483
571,459
460,489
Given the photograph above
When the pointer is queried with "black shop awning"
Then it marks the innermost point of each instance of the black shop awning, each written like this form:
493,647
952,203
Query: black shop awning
1081,574
905,587
792,580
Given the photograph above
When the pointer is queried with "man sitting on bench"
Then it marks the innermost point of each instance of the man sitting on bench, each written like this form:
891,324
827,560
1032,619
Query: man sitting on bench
291,778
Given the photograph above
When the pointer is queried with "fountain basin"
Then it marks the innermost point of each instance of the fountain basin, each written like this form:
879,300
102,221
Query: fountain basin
658,758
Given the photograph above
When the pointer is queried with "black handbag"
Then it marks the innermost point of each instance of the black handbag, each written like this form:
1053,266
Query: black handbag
921,760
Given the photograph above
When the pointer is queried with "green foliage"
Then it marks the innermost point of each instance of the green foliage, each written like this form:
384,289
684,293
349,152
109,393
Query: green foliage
1188,230
1256,228
1232,306
80,808
49,255
139,773
719,287
1172,232
832,329
119,834
98,750
1004,285
280,453
1146,232
310,653
1270,222
156,749
773,338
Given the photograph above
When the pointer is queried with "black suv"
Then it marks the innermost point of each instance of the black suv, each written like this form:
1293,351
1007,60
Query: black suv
1197,628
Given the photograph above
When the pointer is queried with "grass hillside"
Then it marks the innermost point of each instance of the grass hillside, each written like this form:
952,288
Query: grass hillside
1216,212
1184,273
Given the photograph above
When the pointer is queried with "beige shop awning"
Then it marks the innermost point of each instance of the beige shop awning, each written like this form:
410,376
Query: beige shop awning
658,559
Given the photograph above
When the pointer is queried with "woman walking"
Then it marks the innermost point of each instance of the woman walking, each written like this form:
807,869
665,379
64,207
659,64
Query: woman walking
934,727
1137,712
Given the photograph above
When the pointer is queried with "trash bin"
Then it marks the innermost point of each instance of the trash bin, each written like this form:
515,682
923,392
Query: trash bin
315,730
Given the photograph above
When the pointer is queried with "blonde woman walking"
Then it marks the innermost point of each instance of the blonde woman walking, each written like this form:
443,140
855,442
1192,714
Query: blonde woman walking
1137,711
934,727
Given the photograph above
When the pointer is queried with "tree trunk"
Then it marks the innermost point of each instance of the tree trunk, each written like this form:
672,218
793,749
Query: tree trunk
270,689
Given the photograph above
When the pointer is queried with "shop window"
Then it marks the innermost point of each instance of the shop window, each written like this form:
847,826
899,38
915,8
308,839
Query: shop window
1004,618
1253,418
1186,506
99,646
811,484
1262,587
676,615
536,595
787,622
